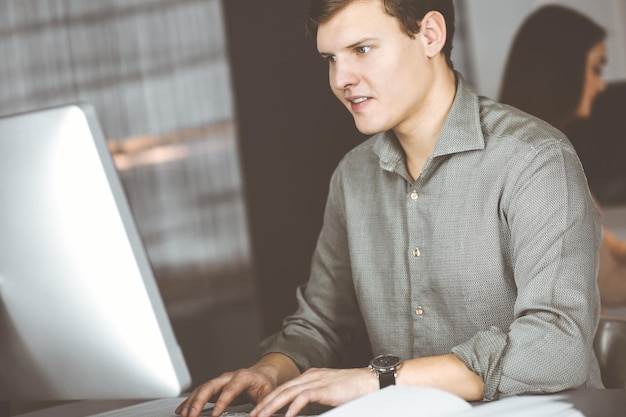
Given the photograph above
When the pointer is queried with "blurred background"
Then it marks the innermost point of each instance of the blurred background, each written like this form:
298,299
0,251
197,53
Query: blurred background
225,134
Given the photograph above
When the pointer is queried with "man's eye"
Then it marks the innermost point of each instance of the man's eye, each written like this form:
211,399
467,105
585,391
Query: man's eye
363,49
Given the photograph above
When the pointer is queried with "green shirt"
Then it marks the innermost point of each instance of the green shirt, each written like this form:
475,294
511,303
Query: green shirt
492,254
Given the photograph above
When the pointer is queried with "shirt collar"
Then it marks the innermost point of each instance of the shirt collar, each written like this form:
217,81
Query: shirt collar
460,132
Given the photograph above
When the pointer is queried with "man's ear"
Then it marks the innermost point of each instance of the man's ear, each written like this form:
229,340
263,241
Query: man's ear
433,32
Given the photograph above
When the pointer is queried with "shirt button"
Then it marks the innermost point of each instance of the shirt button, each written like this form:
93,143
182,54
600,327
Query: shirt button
419,311
416,252
414,195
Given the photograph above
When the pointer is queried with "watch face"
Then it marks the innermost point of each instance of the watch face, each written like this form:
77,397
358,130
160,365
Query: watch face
385,362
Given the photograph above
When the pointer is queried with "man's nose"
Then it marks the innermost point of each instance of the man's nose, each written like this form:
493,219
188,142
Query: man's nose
343,75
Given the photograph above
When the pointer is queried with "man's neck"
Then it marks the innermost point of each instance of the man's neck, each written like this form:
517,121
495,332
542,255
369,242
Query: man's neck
419,139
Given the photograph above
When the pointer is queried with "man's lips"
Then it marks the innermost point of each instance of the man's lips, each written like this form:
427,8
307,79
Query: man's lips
357,99
358,103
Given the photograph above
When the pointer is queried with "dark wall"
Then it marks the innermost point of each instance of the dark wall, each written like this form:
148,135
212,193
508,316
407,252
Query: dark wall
292,134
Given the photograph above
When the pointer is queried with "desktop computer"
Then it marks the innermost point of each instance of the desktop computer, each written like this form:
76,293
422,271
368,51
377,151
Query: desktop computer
81,316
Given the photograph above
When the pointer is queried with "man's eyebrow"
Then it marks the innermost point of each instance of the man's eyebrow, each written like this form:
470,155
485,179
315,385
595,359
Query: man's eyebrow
352,45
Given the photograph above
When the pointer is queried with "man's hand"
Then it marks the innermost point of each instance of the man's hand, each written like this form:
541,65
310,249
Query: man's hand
255,383
324,386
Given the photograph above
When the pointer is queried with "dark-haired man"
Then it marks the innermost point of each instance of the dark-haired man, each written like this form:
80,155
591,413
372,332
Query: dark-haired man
462,234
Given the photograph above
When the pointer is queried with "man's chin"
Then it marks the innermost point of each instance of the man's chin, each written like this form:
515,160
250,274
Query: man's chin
367,129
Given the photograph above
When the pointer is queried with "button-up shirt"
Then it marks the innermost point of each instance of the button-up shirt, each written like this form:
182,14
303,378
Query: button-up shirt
491,254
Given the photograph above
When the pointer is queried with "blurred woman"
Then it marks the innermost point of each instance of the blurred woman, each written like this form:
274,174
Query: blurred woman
554,71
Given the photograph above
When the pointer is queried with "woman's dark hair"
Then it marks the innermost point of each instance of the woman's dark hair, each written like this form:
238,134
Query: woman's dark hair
545,71
408,12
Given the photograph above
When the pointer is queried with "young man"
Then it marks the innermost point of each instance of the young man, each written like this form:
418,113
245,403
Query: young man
462,234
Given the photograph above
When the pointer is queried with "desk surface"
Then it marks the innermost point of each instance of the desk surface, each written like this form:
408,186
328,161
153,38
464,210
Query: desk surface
592,403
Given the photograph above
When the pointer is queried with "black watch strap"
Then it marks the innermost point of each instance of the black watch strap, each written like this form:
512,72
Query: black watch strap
387,378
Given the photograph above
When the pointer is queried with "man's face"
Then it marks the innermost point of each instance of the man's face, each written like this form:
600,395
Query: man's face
375,69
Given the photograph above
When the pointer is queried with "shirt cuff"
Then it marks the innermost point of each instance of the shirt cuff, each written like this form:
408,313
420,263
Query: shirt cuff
303,351
482,354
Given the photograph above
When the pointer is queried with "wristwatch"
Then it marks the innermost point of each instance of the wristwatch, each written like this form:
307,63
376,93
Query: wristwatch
386,368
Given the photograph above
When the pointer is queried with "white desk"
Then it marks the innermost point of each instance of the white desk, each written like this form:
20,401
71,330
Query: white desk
592,403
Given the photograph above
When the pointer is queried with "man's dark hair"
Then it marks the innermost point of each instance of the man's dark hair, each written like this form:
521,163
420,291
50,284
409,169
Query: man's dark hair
408,12
545,71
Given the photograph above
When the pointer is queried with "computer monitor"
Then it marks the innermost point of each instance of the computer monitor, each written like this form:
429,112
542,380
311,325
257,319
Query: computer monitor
81,316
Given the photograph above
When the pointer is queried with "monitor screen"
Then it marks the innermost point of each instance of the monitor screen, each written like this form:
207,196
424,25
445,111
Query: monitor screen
81,316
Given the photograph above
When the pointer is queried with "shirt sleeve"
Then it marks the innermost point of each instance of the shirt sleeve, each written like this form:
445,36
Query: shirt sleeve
555,235
328,316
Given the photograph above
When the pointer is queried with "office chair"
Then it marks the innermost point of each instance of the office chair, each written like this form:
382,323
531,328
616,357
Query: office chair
610,347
